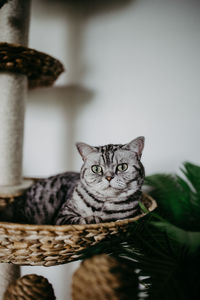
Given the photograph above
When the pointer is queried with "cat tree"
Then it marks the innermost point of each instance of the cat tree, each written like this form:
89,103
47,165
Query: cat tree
20,68
16,68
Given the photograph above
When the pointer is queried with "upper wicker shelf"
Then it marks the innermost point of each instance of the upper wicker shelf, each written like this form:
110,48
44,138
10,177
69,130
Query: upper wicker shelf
40,68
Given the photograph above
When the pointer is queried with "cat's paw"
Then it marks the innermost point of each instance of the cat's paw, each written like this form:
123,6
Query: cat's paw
93,220
82,221
98,219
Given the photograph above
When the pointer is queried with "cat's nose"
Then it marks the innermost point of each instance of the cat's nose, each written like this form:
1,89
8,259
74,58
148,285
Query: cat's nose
109,178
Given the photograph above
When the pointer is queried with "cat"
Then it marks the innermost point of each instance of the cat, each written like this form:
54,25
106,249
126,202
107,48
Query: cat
108,188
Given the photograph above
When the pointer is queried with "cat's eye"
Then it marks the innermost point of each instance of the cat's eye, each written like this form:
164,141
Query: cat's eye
122,167
97,169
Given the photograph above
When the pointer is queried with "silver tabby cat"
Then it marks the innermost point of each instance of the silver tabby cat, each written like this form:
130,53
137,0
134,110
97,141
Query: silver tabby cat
108,188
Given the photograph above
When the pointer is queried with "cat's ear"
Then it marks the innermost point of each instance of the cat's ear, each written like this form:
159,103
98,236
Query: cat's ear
85,149
136,145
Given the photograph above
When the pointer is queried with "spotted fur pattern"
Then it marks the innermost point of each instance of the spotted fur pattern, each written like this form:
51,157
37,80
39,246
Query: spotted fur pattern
88,196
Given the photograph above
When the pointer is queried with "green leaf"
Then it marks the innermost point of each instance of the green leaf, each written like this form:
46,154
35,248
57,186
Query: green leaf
189,239
143,207
192,172
178,199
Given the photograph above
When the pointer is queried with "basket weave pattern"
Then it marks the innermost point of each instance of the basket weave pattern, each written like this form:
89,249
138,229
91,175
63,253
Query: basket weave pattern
50,245
30,287
106,277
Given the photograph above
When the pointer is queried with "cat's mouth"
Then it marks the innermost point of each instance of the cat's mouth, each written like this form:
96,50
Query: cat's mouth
111,187
108,187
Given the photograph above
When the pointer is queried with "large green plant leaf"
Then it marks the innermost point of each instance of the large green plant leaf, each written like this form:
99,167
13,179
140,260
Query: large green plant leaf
178,198
189,239
192,172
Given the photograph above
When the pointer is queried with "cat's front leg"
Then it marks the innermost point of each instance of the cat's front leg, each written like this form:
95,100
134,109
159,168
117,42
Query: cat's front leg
93,220
71,219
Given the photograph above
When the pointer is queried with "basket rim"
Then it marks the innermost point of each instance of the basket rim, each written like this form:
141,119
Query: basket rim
77,227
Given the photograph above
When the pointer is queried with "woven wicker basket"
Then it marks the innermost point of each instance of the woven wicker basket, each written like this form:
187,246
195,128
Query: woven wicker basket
50,245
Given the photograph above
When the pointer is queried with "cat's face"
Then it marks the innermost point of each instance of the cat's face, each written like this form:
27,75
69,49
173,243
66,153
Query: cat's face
111,170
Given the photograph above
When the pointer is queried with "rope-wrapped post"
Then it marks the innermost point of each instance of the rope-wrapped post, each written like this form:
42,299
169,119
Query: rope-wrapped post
14,25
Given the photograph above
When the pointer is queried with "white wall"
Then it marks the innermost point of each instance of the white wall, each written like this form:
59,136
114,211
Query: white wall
131,70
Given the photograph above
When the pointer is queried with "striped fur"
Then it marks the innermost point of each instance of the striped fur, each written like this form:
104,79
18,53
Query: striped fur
88,197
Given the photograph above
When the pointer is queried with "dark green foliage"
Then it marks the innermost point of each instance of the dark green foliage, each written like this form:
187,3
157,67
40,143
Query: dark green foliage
172,269
178,199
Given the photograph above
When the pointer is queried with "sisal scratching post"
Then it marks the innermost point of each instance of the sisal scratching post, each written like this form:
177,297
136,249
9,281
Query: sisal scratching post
8,273
14,21
12,93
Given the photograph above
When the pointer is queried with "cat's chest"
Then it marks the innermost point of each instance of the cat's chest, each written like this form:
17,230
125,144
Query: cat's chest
107,205
81,203
87,206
